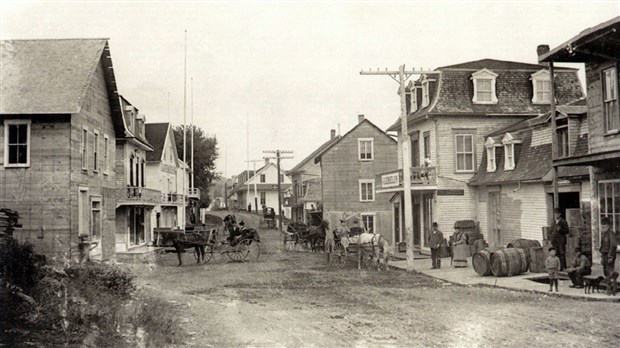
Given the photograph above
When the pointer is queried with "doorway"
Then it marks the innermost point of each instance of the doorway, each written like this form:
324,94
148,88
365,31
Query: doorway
495,218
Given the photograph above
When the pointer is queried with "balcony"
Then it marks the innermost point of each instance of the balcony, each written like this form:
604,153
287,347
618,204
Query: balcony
171,198
420,177
132,195
194,193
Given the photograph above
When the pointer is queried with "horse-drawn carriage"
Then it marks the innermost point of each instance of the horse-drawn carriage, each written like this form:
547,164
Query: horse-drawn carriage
311,237
208,242
269,217
368,246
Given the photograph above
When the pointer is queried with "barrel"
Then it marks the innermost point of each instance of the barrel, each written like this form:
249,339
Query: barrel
537,260
509,262
482,262
524,244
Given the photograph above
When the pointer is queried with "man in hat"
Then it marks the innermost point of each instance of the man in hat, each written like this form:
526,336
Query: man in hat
343,233
581,266
609,244
557,235
434,242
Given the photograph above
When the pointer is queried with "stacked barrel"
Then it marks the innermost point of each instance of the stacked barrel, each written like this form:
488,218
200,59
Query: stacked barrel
505,262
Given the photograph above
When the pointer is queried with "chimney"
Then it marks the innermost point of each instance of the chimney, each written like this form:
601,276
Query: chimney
542,49
360,118
332,134
266,161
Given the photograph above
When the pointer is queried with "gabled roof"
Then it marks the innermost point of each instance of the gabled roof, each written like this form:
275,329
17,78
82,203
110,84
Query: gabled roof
156,135
313,191
53,76
317,159
452,94
314,154
596,43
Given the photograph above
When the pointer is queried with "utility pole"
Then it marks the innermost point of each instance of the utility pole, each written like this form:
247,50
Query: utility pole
255,193
279,157
400,77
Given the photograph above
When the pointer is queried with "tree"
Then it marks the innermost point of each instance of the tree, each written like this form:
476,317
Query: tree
205,154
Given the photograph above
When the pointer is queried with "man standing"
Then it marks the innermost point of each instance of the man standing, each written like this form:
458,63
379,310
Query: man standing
581,266
557,234
343,233
434,242
609,243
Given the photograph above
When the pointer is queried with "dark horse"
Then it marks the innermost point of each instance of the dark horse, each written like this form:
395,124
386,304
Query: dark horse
315,236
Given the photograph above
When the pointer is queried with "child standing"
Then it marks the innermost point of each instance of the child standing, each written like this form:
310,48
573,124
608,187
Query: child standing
553,267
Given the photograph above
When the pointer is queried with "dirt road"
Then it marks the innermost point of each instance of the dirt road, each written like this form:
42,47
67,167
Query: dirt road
291,299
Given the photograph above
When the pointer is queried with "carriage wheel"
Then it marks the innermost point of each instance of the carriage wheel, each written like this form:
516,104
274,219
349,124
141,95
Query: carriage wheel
233,253
209,248
249,249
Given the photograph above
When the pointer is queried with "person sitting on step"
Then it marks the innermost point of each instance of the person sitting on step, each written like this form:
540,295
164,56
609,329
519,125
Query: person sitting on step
580,266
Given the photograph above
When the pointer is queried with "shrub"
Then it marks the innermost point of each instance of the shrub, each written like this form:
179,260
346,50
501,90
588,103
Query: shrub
102,279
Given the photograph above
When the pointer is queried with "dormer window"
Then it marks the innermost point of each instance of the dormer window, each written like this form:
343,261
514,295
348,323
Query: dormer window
413,97
490,146
541,86
509,151
484,87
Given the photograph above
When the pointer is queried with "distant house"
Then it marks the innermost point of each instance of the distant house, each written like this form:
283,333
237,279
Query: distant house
164,172
134,200
306,179
259,188
599,48
514,179
60,116
450,112
349,167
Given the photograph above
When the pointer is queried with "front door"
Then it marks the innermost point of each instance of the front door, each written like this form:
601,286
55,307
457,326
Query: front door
417,225
495,219
396,215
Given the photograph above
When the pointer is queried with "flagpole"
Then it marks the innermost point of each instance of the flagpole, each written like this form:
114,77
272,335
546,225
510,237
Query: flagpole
192,131
184,133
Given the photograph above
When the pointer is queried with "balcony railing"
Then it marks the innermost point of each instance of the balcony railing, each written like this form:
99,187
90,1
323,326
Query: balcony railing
171,198
138,194
420,176
194,193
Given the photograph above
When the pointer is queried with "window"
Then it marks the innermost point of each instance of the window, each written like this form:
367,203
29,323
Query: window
131,174
427,146
365,149
509,142
17,143
96,218
464,152
262,178
562,137
413,99
490,146
84,149
367,190
369,222
609,196
106,144
610,100
263,198
484,87
541,86
142,173
95,152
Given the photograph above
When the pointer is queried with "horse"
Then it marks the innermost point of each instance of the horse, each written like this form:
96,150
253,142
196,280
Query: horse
373,244
316,235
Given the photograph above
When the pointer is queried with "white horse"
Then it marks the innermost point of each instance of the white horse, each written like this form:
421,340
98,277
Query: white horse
370,245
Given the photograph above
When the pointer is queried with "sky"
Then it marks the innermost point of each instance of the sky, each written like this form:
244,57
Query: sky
280,75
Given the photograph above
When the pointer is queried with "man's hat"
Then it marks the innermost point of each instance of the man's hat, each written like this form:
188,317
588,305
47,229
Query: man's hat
341,220
242,223
435,224
552,248
557,211
604,220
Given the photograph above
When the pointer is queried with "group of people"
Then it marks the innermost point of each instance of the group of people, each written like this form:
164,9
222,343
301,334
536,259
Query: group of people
580,265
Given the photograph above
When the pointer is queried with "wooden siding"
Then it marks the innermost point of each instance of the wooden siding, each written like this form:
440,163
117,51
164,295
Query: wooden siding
597,139
46,193
341,171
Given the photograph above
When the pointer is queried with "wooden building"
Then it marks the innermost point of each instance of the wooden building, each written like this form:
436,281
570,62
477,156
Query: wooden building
349,167
134,200
599,48
514,179
164,172
306,179
259,188
60,116
449,114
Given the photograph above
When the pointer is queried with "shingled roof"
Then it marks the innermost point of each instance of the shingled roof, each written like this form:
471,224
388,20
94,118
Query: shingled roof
451,94
53,76
314,154
156,135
